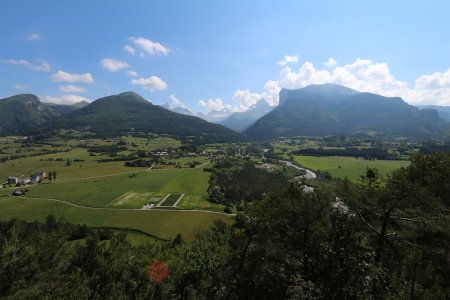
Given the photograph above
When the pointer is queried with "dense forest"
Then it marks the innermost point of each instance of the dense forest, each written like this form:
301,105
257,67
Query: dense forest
380,238
367,153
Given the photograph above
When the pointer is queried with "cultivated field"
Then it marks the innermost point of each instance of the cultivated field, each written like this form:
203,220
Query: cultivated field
108,193
348,167
113,190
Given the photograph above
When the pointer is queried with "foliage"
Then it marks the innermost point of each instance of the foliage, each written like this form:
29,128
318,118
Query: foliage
234,180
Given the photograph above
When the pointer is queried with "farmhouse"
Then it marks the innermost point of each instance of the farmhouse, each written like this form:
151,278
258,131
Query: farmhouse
35,179
12,180
23,181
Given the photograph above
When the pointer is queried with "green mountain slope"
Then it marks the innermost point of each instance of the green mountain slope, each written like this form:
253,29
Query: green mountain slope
129,112
61,109
23,112
333,109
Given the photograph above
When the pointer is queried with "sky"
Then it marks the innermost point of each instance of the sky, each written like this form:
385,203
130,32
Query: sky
207,55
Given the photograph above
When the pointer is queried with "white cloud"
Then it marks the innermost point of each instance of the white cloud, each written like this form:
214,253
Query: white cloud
245,99
213,104
149,47
129,49
21,87
62,76
114,65
288,59
362,75
331,62
152,83
433,88
175,102
34,37
65,99
39,65
132,74
72,89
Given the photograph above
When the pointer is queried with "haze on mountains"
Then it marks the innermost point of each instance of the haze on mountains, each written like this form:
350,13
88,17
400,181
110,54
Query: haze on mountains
239,121
331,109
317,110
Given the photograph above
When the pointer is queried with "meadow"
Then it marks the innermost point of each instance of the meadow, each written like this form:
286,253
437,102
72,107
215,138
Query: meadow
160,223
104,191
349,167
108,194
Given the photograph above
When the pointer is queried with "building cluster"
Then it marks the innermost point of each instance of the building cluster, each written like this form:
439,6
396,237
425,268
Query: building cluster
21,181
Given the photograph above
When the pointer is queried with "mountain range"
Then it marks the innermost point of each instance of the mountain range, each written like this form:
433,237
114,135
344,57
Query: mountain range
315,110
24,112
128,112
239,121
214,116
331,109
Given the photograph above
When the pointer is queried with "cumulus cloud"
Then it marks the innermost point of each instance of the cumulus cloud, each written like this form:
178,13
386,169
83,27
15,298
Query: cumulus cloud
72,89
129,49
62,76
245,99
331,62
213,104
39,65
362,75
21,87
65,99
132,73
433,88
175,102
149,47
152,83
288,59
34,37
114,65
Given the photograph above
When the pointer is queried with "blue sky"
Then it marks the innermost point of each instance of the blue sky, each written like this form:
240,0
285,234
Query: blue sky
214,54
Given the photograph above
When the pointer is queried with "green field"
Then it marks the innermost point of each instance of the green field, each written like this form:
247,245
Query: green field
162,224
109,194
349,167
171,200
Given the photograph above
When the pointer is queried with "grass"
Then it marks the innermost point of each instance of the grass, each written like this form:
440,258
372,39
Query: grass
136,200
349,167
102,192
160,223
171,200
88,168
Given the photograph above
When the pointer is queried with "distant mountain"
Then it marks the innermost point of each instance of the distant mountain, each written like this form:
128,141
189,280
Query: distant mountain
332,109
239,121
215,116
80,104
128,112
443,111
23,112
178,109
61,109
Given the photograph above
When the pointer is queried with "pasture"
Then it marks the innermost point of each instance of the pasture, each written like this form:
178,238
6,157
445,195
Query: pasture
349,167
160,223
112,190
